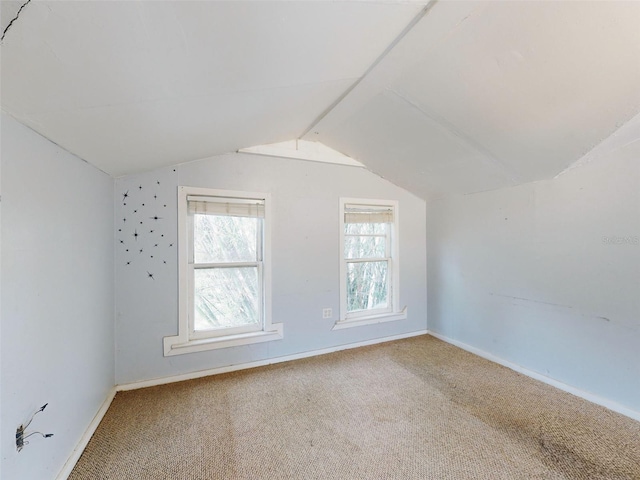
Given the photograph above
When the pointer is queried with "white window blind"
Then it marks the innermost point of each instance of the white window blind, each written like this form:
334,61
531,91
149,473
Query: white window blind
368,214
232,207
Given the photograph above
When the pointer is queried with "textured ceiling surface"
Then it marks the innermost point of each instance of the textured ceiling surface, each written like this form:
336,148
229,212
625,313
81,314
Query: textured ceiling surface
438,97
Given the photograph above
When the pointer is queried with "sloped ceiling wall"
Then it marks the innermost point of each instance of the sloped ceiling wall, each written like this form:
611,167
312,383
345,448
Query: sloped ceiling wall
438,97
134,85
509,92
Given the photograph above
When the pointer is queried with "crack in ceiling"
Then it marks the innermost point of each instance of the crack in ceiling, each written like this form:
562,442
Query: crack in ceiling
13,19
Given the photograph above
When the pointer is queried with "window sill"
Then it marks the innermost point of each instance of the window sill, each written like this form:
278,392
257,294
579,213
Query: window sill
371,320
178,346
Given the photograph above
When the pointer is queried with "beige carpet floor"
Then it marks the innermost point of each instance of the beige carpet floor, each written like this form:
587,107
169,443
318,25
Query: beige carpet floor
410,409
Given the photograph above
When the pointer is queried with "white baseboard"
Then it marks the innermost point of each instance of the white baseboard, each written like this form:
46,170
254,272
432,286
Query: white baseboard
261,363
84,440
604,402
75,456
82,444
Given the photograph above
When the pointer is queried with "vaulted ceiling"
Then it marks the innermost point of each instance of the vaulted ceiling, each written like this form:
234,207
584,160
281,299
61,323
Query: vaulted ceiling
438,97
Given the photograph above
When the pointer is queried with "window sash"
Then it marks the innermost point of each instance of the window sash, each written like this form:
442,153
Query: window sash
387,243
228,207
182,343
366,312
224,331
225,265
365,235
379,214
367,259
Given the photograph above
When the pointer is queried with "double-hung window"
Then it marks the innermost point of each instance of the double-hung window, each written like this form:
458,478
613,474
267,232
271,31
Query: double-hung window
225,265
224,271
369,262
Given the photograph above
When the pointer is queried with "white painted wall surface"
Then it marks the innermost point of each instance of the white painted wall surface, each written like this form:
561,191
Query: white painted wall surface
547,275
305,252
57,299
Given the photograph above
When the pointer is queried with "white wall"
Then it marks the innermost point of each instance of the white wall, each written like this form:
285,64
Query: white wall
305,250
547,275
57,298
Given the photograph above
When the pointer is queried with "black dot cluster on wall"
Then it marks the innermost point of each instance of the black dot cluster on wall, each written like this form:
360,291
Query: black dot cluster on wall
141,230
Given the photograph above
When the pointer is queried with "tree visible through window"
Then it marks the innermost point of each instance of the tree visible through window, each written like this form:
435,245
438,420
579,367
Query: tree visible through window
368,258
367,265
227,264
224,271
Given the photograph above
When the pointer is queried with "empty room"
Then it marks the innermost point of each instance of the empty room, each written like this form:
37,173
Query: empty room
331,239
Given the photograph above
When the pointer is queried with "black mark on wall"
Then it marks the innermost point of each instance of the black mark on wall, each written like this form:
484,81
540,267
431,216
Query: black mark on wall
138,204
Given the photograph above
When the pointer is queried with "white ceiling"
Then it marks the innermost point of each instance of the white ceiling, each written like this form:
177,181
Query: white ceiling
129,86
456,97
524,89
8,10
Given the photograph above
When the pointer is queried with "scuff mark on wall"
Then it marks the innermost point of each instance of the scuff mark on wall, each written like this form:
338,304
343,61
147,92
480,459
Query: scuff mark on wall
14,19
531,300
527,302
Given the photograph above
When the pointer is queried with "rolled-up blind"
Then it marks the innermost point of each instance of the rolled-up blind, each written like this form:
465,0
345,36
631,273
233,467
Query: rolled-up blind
231,207
368,214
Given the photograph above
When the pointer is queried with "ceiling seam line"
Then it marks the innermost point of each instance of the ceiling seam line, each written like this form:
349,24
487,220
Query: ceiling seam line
468,141
590,155
176,98
425,10
26,125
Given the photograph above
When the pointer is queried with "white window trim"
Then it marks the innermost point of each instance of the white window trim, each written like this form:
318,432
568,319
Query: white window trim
182,343
363,318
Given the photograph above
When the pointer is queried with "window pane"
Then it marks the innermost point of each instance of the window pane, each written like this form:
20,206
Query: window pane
221,239
365,247
226,297
367,285
366,228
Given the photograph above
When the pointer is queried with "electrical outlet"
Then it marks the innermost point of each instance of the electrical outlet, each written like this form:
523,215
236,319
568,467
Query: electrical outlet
327,313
